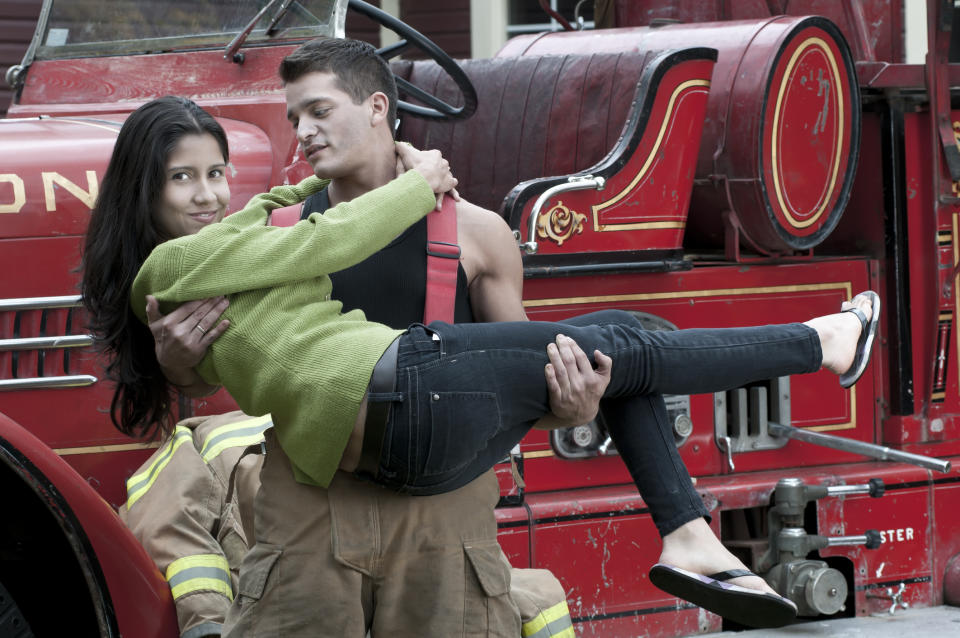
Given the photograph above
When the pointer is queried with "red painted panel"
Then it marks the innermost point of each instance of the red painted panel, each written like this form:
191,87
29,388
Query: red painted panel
643,206
719,297
598,548
781,133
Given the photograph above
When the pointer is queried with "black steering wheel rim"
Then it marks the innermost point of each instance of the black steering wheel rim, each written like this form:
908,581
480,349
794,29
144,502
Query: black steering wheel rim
437,109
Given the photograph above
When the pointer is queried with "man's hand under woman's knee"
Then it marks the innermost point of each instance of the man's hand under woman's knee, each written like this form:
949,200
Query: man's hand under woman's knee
575,387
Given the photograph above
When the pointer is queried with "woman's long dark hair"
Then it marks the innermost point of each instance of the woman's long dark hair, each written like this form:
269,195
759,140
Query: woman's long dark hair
121,234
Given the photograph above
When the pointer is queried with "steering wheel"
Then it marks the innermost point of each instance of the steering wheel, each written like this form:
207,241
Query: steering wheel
437,109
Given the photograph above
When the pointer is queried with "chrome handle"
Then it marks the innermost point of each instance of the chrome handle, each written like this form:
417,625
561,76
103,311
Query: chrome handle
43,383
45,343
39,303
575,183
726,445
875,488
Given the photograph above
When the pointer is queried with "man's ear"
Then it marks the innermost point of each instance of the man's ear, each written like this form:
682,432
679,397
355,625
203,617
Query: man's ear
379,108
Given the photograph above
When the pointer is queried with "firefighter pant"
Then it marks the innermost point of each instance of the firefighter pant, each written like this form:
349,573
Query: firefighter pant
341,561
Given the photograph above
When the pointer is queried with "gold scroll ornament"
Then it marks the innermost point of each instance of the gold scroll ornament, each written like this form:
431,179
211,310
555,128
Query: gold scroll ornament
559,223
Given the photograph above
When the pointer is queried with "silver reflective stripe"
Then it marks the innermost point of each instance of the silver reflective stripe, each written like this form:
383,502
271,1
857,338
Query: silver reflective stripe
190,573
203,630
555,628
159,463
215,442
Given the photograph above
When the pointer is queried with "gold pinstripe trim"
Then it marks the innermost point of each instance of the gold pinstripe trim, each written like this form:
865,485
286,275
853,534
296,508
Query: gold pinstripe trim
101,449
597,227
818,42
844,286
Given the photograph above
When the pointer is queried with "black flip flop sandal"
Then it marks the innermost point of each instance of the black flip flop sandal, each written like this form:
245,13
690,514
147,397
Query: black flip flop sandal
745,606
865,343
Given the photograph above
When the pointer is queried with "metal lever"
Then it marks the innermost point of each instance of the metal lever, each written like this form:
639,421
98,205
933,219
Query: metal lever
858,447
575,183
602,450
875,488
726,445
870,539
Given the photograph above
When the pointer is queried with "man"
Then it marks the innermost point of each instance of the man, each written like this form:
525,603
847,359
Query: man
356,557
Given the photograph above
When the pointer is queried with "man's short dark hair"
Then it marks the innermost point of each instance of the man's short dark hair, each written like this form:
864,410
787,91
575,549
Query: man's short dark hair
360,72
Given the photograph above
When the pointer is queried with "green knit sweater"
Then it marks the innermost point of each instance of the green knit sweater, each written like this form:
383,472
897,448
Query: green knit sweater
288,350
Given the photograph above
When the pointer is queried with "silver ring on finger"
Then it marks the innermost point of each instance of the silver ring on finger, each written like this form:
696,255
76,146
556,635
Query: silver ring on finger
200,328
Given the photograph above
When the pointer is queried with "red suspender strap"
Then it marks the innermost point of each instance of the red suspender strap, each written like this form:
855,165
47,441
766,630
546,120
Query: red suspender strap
443,258
287,216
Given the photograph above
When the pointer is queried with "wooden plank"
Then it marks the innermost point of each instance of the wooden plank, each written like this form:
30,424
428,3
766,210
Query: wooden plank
16,31
20,9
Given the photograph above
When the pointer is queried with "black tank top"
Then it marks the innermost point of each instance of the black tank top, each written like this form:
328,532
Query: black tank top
389,286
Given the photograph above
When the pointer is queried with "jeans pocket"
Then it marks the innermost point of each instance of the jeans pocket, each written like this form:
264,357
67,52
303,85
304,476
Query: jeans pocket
461,424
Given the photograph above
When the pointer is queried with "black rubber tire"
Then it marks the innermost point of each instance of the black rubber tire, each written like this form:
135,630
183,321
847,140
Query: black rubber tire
12,622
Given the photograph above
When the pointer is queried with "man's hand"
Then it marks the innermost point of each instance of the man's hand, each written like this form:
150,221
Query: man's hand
575,387
182,337
434,168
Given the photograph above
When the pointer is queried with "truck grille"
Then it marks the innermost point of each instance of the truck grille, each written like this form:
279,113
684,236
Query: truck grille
37,335
742,416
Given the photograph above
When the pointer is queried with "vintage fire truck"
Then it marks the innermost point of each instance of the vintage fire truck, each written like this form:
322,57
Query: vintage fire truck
697,163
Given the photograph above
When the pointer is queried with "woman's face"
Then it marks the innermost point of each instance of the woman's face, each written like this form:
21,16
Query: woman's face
195,192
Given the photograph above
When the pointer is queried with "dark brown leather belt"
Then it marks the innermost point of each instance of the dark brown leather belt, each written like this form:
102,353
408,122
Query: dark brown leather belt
383,379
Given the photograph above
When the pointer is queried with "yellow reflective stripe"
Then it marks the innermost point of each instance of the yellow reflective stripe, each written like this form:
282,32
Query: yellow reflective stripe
138,485
241,433
201,572
554,622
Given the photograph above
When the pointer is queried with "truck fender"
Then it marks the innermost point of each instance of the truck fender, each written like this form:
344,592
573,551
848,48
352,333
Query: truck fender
128,595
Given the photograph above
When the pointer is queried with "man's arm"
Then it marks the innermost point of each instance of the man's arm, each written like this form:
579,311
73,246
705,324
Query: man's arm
170,509
491,256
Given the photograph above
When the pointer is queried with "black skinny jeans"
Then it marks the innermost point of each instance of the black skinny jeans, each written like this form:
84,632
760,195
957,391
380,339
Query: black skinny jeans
467,393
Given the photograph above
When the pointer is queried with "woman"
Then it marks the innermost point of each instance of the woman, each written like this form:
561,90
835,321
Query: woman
412,411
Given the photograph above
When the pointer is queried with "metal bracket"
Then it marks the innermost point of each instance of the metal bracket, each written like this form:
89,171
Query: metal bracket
574,183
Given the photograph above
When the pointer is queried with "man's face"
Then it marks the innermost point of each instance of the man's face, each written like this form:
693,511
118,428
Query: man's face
335,134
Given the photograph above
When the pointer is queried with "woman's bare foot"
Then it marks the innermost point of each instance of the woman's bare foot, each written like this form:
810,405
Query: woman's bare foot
839,334
695,548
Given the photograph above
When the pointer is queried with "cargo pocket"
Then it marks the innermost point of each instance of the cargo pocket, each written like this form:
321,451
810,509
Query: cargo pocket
461,424
255,571
259,582
488,609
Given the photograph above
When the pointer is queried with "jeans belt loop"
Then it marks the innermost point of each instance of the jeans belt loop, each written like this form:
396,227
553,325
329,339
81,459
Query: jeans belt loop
382,380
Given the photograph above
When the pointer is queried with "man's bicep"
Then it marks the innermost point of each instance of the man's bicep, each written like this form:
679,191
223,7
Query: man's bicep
496,294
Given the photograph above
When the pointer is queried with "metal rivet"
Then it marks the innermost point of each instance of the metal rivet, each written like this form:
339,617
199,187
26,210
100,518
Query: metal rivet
435,397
